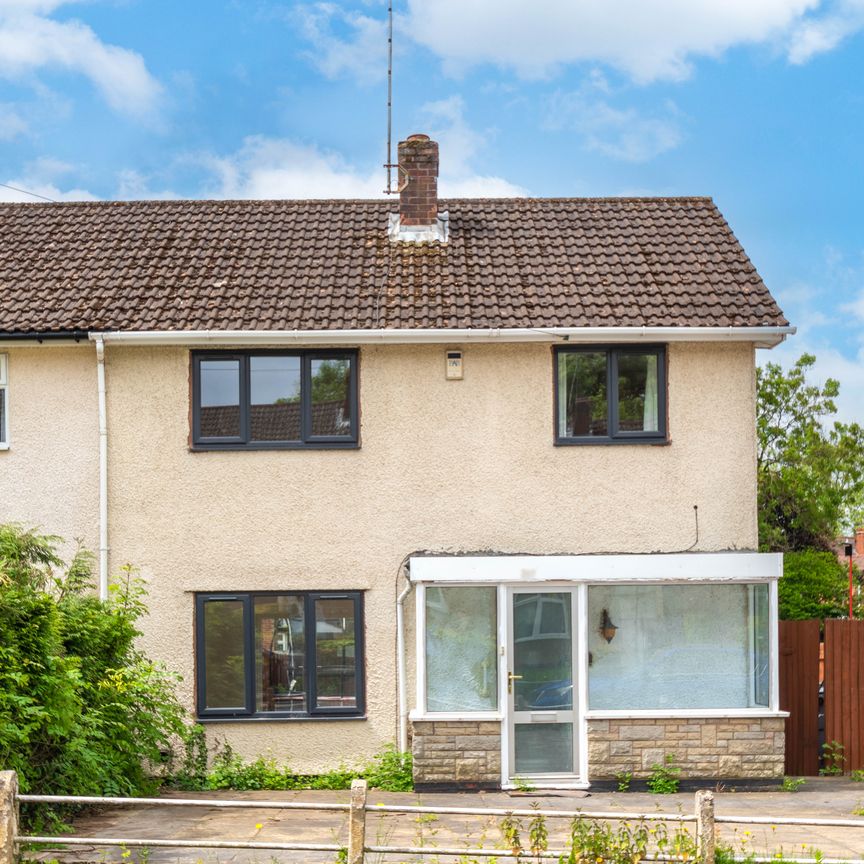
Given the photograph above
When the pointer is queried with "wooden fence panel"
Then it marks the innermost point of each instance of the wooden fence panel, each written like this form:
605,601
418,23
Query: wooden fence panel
844,688
799,695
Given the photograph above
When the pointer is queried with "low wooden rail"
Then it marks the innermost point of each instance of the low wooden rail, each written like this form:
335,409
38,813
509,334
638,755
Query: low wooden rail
703,817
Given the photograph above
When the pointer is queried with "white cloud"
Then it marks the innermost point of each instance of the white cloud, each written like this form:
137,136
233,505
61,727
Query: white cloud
647,41
623,133
12,124
29,41
816,35
281,168
830,363
360,53
278,168
460,147
44,178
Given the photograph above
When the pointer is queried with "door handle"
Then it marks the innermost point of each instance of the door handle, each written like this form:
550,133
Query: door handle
510,679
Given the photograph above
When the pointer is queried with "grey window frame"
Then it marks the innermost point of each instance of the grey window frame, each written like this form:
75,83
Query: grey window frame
4,396
248,711
307,440
615,436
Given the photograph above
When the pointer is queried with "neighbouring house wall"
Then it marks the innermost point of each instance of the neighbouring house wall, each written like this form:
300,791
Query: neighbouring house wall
705,747
49,476
447,466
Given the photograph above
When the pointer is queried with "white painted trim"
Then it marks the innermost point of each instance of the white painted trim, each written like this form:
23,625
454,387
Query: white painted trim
763,337
582,672
420,649
401,671
621,569
509,786
457,717
103,469
4,388
686,713
774,650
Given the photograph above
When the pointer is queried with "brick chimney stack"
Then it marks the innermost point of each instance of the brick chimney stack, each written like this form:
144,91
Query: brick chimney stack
418,219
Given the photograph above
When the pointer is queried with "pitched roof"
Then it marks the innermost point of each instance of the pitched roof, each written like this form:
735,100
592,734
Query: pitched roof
328,265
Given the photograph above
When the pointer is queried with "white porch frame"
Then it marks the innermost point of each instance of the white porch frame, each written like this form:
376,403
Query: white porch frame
579,572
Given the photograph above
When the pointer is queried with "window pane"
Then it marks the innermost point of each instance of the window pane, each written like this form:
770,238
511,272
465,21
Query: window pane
335,653
676,646
637,393
280,654
331,406
224,655
275,394
220,398
2,415
461,642
544,748
582,402
542,651
761,646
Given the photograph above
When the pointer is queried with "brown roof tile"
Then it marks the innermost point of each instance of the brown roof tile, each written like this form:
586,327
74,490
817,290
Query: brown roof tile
322,265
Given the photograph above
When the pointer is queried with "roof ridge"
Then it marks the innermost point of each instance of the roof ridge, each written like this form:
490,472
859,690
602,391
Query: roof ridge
527,199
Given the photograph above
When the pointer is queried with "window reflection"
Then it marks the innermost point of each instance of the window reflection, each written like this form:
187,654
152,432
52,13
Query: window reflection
280,646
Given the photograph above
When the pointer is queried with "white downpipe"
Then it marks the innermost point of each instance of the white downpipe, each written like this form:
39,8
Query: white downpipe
761,336
401,673
103,469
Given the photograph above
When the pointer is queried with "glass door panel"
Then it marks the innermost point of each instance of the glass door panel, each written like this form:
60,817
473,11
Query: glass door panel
541,683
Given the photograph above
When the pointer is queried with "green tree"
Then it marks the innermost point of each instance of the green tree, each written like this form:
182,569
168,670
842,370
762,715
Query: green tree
814,585
811,478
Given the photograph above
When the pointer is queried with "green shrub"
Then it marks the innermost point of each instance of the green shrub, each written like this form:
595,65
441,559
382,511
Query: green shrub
664,777
82,712
814,585
389,771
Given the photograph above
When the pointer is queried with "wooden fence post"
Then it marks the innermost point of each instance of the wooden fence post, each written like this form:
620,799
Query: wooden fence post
356,823
8,817
705,836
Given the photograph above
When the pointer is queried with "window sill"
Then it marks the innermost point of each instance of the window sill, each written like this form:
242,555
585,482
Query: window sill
4,446
325,718
456,716
683,713
323,445
615,442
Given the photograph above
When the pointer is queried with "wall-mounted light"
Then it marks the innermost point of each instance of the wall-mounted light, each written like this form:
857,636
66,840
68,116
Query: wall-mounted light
607,628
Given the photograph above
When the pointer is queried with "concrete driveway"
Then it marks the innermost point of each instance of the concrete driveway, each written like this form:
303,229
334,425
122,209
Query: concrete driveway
819,798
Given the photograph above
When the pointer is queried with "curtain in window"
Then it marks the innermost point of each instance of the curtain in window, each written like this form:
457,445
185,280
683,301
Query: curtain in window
649,414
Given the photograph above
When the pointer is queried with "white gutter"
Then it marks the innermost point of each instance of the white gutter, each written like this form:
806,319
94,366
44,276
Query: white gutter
103,468
763,337
401,674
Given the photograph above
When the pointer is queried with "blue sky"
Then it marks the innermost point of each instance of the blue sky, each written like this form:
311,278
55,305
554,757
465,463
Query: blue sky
758,103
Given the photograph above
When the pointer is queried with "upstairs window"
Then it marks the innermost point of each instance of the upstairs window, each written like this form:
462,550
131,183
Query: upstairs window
610,395
274,399
4,402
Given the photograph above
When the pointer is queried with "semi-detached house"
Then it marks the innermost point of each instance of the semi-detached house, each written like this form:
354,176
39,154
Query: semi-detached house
474,476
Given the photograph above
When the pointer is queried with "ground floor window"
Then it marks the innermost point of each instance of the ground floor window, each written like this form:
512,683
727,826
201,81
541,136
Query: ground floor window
678,646
461,658
292,654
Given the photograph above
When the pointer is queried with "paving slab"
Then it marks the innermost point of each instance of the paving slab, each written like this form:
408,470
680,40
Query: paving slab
819,798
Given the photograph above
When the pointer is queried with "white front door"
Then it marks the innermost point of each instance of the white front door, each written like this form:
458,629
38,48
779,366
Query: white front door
542,685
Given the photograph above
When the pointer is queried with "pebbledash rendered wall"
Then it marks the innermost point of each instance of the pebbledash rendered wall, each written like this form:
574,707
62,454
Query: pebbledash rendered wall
443,466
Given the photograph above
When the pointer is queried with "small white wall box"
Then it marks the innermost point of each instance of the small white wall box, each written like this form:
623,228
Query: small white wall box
454,366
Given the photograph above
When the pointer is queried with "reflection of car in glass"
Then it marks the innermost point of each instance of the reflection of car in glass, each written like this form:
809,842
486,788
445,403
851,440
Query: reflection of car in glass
552,696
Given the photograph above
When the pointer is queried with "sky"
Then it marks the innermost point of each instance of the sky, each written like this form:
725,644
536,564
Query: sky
757,103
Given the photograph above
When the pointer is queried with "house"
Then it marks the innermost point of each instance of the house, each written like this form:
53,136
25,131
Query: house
477,476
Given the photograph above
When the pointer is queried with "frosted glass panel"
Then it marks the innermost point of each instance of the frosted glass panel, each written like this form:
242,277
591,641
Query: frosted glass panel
677,646
544,748
461,639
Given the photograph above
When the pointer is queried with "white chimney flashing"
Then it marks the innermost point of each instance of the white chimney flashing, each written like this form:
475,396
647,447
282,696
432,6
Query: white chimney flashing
437,233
